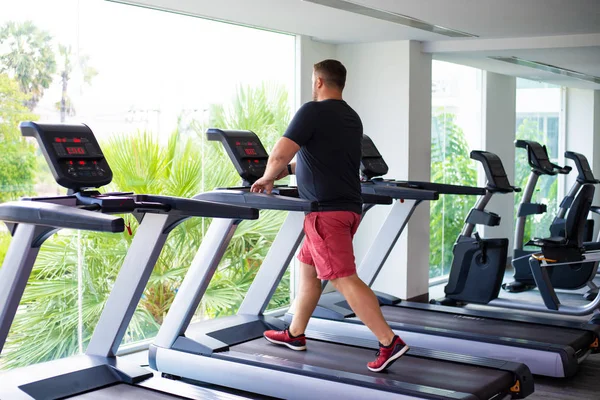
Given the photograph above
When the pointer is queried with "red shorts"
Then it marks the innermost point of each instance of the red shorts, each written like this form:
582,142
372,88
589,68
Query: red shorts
328,243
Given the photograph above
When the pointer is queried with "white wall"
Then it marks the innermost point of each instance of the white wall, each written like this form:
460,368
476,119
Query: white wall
498,131
583,133
389,85
308,53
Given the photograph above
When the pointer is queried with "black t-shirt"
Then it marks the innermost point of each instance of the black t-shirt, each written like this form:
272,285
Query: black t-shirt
329,134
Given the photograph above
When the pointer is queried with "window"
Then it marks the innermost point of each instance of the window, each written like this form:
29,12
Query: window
456,123
148,94
538,119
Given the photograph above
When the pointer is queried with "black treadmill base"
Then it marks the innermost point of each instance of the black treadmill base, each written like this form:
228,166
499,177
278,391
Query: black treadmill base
482,382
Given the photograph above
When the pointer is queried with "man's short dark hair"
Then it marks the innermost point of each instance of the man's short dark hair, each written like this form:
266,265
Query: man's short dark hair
332,72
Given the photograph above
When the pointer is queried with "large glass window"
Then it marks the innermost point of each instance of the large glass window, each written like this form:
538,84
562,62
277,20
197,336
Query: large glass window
538,119
148,83
456,130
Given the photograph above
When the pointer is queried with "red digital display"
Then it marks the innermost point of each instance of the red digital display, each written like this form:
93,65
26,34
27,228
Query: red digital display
250,151
76,151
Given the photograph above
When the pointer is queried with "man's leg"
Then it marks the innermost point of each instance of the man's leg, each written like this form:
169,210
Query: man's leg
364,303
309,292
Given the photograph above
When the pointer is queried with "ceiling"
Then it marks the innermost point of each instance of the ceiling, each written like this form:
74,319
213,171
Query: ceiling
585,60
568,29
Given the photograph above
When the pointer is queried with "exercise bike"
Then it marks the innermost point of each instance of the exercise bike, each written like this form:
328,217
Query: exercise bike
577,275
479,264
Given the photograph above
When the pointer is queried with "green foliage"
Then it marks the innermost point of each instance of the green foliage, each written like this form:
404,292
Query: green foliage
450,163
4,242
546,190
48,326
65,105
30,58
17,163
263,110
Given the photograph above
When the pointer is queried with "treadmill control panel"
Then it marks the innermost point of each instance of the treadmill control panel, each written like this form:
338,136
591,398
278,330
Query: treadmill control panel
245,150
72,152
372,163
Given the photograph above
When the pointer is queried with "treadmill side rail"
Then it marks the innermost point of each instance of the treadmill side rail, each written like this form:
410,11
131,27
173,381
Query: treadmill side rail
261,201
399,192
198,208
59,216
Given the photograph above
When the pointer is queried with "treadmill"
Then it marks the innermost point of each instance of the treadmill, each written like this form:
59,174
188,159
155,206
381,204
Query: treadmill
548,346
231,351
77,163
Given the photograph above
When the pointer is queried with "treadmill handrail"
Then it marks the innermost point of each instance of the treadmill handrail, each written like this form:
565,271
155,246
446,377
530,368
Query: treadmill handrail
441,188
376,198
399,192
202,208
261,201
584,173
59,216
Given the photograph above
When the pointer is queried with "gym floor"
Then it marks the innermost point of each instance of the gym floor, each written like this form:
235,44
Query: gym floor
584,385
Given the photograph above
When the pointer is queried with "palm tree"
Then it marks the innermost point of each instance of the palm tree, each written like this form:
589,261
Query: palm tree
48,326
263,110
29,59
65,106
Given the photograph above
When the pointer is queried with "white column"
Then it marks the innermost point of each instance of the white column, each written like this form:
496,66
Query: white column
389,85
498,137
308,53
583,133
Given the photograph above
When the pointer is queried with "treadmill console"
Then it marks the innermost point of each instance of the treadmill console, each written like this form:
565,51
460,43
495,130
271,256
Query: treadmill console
372,163
72,153
245,150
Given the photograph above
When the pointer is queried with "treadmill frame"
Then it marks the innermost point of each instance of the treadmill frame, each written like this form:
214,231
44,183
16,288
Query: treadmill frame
202,351
99,366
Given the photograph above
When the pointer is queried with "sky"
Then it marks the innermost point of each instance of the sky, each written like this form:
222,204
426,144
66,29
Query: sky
156,63
153,65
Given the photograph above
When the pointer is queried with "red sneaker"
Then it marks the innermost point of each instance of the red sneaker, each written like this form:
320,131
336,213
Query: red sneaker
286,339
388,354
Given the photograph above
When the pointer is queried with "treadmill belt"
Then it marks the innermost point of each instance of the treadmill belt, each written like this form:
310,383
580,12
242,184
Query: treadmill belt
574,338
482,382
123,391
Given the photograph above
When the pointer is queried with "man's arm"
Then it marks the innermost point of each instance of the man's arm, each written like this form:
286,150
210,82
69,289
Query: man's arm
285,149
285,172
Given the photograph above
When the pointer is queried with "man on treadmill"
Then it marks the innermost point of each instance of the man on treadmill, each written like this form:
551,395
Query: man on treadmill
327,135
